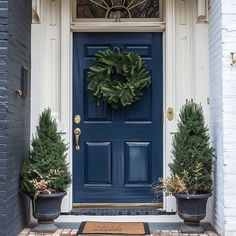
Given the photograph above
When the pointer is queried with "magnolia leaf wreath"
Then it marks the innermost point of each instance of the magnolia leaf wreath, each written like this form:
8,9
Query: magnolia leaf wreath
117,92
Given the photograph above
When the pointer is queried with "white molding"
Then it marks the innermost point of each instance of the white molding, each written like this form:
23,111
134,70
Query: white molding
169,93
36,11
181,36
202,10
117,27
64,119
66,90
52,55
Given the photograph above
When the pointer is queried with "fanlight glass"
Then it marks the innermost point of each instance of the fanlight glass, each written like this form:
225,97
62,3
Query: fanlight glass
113,9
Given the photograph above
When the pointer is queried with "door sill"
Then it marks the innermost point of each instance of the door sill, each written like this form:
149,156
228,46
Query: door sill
140,218
118,205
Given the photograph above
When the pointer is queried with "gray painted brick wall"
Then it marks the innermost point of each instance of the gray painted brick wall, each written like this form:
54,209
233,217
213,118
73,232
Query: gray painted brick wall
15,42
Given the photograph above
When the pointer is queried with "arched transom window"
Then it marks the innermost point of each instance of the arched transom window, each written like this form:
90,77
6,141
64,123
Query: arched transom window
118,9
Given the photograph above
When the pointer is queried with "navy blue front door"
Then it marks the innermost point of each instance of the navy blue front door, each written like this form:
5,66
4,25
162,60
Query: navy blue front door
121,151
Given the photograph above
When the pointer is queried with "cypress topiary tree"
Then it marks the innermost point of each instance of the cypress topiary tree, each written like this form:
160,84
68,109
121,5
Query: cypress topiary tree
192,152
46,170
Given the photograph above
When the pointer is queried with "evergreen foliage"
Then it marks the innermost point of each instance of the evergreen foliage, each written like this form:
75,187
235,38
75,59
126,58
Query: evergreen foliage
192,151
46,170
118,93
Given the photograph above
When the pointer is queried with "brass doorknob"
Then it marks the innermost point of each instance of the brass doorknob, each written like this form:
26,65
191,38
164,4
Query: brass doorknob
77,133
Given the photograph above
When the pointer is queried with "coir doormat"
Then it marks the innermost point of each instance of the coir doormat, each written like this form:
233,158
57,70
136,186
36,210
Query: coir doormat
113,228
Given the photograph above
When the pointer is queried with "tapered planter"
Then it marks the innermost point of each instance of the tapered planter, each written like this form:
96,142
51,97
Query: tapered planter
46,208
192,209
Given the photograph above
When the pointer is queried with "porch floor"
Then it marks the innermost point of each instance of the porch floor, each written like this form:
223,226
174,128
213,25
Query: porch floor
156,229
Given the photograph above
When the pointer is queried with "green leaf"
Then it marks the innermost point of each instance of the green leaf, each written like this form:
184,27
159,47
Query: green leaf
103,88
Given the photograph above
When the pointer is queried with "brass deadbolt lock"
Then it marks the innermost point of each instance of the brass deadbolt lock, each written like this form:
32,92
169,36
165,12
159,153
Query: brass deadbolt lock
77,119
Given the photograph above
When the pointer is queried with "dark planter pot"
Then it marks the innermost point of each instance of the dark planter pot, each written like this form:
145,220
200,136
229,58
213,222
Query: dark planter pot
192,209
46,208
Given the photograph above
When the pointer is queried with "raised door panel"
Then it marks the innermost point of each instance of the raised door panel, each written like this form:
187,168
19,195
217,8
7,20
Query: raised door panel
138,163
98,164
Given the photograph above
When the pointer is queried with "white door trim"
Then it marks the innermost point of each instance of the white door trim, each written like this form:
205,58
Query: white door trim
169,93
185,69
118,27
66,90
67,78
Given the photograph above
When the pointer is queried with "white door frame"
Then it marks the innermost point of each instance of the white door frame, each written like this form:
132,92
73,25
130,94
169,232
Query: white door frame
185,67
168,88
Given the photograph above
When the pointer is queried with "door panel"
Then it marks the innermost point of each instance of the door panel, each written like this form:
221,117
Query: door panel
120,150
98,163
138,153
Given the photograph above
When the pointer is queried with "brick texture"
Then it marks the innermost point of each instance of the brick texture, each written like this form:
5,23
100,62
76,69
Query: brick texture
222,41
229,115
15,41
216,107
73,232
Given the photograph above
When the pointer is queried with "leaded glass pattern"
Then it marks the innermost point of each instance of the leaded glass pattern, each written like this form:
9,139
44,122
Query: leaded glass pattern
113,9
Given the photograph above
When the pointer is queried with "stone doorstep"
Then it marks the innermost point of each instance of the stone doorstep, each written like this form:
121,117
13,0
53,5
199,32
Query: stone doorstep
73,232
